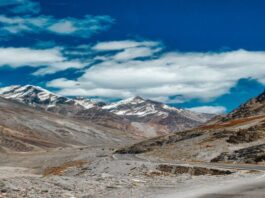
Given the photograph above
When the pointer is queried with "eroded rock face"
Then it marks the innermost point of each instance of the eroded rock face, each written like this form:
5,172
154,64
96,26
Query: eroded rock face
247,135
196,171
149,145
239,136
253,107
9,140
253,154
25,129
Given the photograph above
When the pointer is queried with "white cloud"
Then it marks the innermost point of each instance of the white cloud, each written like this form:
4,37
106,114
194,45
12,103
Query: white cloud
85,27
63,83
47,60
121,45
182,76
63,27
209,109
16,57
128,49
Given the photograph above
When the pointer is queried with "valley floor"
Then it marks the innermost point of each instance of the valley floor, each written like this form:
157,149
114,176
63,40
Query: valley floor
95,172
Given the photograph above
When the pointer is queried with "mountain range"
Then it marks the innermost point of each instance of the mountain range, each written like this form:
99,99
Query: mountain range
140,117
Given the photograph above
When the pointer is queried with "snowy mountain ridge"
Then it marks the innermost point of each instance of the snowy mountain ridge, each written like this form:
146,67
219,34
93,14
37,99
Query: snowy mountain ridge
142,116
35,96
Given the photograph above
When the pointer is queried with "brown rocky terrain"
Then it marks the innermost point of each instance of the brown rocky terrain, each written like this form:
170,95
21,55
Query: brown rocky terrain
24,129
253,107
237,138
253,154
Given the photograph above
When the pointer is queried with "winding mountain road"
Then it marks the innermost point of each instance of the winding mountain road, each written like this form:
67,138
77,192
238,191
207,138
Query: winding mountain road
252,188
250,167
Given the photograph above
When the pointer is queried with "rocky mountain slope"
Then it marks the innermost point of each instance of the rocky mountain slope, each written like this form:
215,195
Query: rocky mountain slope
24,129
253,107
237,138
151,115
38,97
80,108
144,118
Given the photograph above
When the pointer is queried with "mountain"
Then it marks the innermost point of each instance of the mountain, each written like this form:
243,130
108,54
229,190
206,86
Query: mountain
80,108
238,137
26,129
151,115
143,118
253,107
39,97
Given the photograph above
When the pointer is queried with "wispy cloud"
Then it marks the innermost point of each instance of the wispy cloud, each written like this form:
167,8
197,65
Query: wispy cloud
26,18
84,27
209,109
121,45
46,61
21,6
128,49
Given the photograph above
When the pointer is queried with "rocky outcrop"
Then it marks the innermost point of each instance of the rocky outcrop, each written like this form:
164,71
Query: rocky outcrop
253,107
253,154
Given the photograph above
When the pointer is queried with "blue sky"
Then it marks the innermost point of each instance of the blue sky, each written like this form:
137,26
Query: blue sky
205,55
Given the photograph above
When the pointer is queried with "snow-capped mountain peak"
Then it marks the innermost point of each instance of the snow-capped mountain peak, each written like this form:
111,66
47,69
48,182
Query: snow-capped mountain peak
87,103
28,94
135,106
140,107
129,101
37,96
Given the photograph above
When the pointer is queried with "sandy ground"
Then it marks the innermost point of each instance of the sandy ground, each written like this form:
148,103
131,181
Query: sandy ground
60,173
